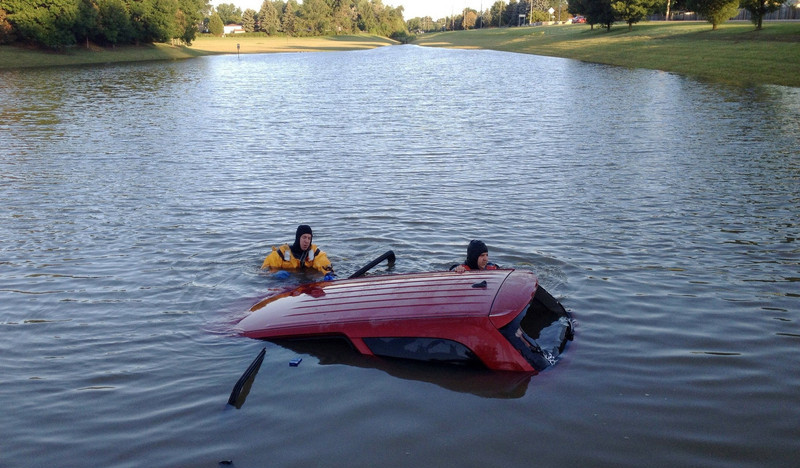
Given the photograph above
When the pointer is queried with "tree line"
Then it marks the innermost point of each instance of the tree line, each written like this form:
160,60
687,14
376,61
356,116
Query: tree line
716,12
311,18
499,14
57,24
596,12
60,23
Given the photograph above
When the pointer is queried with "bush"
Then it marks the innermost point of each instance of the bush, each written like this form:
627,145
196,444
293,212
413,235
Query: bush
538,16
403,37
715,12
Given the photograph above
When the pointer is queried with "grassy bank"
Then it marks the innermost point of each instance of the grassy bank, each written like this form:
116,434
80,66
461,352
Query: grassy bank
19,57
734,53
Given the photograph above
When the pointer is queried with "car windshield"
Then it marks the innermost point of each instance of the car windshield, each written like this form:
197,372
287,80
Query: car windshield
538,333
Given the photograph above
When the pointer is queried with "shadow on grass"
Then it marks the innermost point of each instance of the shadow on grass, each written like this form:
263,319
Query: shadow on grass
14,57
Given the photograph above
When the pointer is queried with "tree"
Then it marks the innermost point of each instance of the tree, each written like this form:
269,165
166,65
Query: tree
152,21
577,7
161,24
558,6
343,17
484,19
497,9
759,8
514,10
47,23
115,24
392,20
6,30
249,20
188,18
365,17
715,12
39,22
470,18
289,19
541,5
632,11
86,21
215,25
600,12
268,20
316,15
59,23
229,13
510,13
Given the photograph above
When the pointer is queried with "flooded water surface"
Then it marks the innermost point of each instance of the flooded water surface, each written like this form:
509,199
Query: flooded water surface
138,201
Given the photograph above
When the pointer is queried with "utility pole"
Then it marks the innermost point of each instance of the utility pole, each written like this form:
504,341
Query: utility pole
530,14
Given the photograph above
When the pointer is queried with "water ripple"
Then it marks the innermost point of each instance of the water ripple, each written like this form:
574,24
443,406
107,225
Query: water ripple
139,201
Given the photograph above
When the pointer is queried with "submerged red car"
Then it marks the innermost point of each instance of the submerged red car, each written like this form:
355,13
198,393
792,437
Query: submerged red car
498,319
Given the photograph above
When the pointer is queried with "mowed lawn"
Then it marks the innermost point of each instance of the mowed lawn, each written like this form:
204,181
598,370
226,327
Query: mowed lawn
23,57
259,45
734,53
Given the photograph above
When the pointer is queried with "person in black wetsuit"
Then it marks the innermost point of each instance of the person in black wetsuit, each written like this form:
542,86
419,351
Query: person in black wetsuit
477,258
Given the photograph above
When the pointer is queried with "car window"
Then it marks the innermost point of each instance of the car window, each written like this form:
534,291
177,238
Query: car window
422,349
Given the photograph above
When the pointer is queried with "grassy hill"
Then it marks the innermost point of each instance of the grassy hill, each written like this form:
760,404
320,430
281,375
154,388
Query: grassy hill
734,53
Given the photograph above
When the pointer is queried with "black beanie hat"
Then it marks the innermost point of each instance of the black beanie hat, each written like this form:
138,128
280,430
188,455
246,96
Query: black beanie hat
301,229
474,250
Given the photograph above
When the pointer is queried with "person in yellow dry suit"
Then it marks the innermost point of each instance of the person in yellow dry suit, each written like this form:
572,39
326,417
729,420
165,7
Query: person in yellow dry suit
302,255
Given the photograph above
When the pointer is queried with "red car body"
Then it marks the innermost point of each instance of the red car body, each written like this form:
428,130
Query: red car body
476,317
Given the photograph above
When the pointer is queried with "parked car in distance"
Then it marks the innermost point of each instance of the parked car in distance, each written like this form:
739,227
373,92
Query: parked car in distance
578,19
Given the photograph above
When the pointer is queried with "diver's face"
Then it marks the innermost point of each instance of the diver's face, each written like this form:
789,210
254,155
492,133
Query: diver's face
483,259
305,241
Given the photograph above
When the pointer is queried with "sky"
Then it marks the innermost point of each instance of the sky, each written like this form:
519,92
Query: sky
411,8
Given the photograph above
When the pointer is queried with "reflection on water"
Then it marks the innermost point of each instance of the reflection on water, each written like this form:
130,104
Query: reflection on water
139,200
480,382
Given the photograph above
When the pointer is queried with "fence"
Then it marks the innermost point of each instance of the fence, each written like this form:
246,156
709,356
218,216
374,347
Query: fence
786,12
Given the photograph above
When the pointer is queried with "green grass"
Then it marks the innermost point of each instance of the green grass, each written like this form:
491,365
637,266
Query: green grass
735,53
21,57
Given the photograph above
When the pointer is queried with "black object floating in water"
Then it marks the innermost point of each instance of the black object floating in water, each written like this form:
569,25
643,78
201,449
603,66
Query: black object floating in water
242,387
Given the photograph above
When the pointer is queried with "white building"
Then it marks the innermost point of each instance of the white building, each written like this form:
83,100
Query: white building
232,29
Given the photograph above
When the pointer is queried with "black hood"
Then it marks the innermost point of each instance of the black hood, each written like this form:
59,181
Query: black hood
301,229
474,250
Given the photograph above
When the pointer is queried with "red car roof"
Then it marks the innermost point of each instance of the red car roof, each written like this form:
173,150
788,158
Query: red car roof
448,305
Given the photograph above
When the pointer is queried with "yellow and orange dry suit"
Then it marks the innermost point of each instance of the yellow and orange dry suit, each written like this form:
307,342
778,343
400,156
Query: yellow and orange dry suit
282,258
